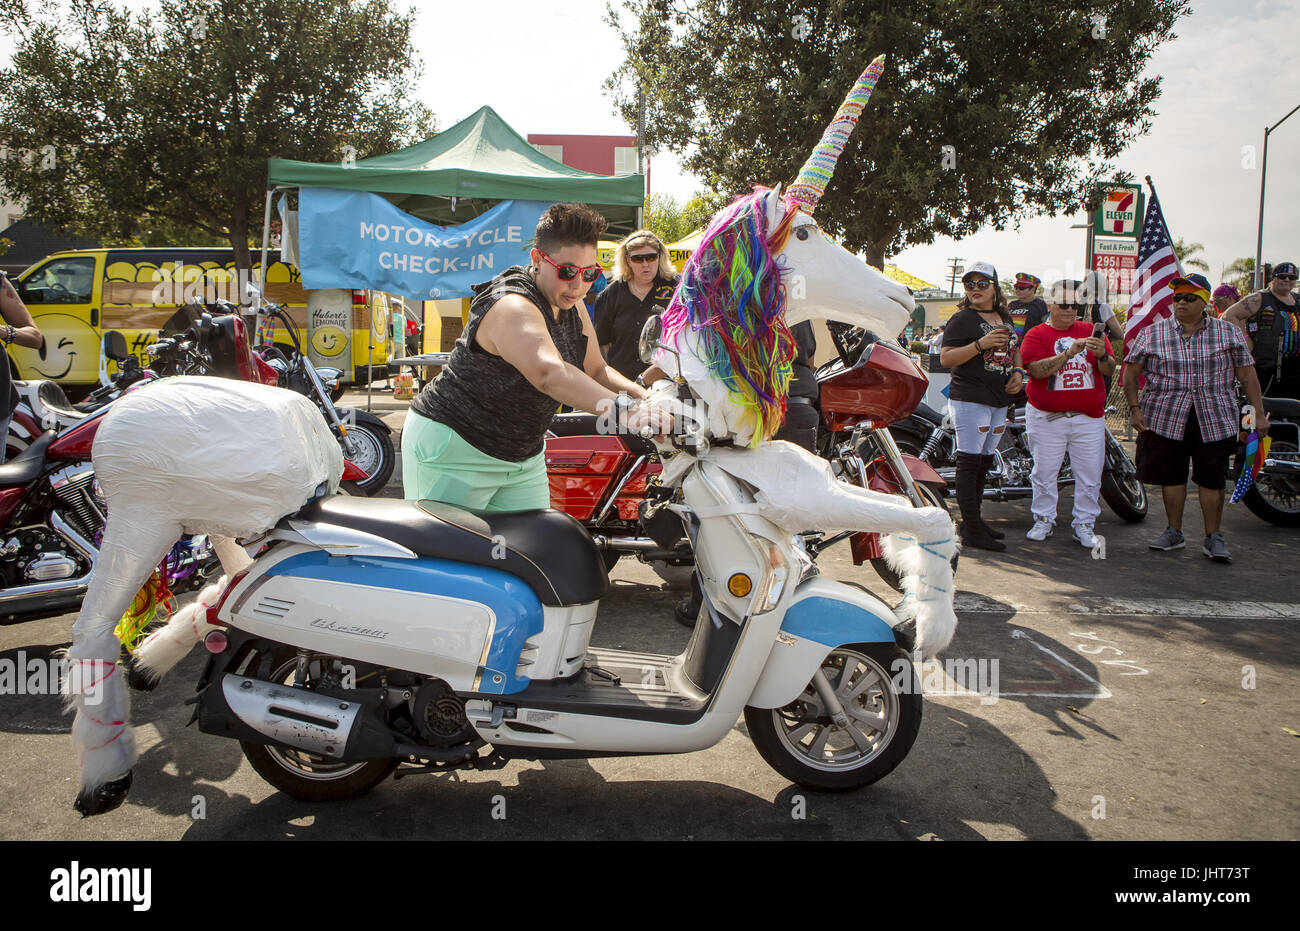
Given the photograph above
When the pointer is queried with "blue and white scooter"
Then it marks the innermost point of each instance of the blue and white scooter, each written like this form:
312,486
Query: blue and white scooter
373,633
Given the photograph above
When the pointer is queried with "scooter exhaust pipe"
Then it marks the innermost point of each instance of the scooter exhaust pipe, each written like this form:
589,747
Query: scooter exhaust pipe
41,595
334,728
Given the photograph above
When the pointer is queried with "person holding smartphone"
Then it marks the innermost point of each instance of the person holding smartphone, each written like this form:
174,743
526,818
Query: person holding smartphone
979,346
1066,360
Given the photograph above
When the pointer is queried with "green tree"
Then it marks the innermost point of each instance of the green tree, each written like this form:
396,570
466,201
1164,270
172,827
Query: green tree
132,128
1241,274
672,221
662,215
1186,252
965,129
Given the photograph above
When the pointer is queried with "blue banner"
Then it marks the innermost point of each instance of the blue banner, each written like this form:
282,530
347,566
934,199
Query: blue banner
353,239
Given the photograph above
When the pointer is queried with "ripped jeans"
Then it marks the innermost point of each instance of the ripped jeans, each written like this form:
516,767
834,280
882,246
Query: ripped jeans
979,427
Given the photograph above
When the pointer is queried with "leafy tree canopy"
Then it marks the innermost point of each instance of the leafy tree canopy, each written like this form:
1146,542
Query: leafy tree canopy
986,113
132,128
671,221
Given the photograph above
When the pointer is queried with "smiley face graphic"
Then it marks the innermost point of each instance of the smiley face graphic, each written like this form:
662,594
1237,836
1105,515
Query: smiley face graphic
70,352
329,340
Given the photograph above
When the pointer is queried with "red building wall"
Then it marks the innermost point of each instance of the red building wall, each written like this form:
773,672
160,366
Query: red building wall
588,153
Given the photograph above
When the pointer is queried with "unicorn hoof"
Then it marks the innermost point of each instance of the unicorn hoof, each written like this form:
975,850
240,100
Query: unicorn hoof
103,799
905,634
137,678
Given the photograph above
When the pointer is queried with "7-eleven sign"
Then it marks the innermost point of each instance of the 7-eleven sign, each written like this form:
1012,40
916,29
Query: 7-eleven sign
1120,213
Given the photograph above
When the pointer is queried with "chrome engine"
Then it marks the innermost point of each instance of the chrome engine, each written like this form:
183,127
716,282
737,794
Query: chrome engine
38,554
79,502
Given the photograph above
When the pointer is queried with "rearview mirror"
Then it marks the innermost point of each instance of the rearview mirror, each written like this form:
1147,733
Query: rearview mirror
649,339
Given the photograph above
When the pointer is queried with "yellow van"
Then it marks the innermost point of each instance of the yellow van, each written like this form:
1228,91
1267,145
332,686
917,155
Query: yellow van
75,296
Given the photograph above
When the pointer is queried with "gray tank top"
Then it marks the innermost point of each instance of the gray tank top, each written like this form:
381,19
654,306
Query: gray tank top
483,397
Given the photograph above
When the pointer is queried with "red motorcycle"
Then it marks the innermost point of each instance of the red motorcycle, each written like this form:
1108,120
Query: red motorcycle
603,480
52,514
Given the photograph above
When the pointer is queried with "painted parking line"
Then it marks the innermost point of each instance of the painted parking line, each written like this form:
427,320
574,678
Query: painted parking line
970,603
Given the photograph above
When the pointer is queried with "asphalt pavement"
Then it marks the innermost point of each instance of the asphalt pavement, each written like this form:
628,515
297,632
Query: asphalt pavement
1144,696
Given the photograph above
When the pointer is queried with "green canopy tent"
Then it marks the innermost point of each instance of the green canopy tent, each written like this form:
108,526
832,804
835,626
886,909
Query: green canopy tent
461,173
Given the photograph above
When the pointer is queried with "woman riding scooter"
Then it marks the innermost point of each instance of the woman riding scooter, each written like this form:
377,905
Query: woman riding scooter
475,437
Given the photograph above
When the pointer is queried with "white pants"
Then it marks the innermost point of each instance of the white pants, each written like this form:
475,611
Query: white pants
1084,438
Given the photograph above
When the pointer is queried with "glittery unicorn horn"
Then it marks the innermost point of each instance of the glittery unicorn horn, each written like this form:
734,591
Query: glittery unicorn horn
816,173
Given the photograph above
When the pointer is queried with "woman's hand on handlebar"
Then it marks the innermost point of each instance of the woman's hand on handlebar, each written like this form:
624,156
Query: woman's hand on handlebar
642,416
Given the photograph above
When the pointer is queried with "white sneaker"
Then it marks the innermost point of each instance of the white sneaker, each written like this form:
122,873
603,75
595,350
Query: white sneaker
1041,530
1087,539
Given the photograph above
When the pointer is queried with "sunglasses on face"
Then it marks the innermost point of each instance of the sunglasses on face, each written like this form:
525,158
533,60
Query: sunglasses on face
644,257
568,272
1285,277
1026,287
1185,298
1073,308
982,285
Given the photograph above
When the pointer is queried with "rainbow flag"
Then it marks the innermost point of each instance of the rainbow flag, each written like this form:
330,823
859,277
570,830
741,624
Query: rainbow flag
1253,461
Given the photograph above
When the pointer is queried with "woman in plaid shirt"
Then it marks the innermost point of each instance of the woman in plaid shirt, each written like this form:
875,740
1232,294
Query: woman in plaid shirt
1188,408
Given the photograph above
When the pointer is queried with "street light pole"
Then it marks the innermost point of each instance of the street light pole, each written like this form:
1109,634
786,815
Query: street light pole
1263,176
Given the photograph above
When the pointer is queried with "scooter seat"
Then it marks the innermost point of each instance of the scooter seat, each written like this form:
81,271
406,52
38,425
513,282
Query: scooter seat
26,466
582,424
547,549
1282,407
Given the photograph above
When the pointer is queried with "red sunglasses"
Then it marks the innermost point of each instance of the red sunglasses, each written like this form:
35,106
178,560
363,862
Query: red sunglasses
568,272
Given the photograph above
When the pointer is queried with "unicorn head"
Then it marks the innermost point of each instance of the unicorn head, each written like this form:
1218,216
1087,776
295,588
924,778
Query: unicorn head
763,265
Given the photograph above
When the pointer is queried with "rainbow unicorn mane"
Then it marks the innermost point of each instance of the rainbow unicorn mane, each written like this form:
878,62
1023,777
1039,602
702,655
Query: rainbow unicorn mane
732,298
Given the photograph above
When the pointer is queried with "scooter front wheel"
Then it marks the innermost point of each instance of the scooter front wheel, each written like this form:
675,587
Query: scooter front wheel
873,684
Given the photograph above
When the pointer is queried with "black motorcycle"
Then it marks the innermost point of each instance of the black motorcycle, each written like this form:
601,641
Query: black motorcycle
1275,495
931,437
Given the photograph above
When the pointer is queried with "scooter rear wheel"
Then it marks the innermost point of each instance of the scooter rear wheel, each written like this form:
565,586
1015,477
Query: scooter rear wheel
870,681
307,776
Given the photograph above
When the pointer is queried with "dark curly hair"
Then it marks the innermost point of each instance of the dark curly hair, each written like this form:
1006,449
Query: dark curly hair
568,225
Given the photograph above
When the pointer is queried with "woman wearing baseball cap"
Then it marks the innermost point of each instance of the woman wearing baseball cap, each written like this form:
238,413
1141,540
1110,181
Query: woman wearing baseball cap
979,346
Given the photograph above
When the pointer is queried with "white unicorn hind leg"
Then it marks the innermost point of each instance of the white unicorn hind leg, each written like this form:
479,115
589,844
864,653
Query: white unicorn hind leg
93,686
168,645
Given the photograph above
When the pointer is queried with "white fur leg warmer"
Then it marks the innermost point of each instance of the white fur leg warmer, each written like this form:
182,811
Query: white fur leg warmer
925,566
168,645
93,687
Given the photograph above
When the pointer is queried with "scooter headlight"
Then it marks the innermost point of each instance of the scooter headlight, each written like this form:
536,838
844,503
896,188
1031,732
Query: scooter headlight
775,573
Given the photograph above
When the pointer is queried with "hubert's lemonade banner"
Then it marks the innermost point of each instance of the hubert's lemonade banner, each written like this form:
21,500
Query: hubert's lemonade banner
351,239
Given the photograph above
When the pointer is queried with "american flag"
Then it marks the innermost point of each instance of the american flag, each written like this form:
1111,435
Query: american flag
1157,266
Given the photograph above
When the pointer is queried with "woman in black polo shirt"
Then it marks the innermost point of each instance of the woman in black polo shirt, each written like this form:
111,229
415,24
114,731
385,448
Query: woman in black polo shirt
644,279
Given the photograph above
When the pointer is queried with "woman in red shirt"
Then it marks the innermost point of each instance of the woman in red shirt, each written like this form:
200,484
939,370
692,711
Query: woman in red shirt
1066,411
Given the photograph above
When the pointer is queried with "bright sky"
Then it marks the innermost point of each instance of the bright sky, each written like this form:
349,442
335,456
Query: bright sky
1234,69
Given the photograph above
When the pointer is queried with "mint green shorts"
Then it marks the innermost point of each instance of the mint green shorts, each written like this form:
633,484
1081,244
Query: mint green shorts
438,465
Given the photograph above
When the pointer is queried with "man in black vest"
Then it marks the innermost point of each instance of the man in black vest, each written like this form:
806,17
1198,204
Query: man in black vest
1271,321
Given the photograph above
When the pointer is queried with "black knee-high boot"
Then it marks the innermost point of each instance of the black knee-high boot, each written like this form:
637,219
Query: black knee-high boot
968,500
986,463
